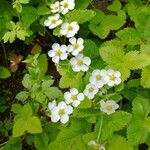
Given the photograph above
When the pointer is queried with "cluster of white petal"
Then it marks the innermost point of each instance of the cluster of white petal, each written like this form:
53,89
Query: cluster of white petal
95,145
63,6
58,52
69,29
109,106
80,63
73,97
60,112
53,21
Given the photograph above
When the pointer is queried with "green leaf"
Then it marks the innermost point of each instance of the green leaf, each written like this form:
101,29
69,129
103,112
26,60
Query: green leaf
80,16
145,80
21,34
136,133
67,75
141,107
117,142
115,122
90,49
22,96
4,73
25,121
42,64
53,92
115,6
129,36
9,36
27,82
70,137
100,25
16,108
41,141
28,15
13,144
81,4
146,123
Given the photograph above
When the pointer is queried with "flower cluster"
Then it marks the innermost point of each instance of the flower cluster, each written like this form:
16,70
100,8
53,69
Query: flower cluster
98,80
76,45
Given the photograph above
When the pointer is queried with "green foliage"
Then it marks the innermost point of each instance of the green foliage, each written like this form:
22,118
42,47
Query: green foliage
117,142
80,16
137,132
71,137
82,4
100,25
26,121
18,4
145,81
115,122
4,72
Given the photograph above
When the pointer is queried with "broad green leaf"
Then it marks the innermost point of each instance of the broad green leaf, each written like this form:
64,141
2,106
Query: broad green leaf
53,92
81,4
136,133
117,142
129,36
114,122
28,15
116,6
146,123
141,107
145,80
4,73
13,144
22,96
16,108
80,16
27,82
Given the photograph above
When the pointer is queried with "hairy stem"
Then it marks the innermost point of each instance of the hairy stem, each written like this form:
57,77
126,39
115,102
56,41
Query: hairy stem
100,130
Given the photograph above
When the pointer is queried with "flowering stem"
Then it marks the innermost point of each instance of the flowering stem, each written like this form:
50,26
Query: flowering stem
100,130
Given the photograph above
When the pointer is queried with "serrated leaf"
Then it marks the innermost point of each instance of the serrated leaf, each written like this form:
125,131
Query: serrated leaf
115,122
27,81
141,107
146,123
136,133
117,142
22,96
53,92
80,16
129,36
115,6
145,79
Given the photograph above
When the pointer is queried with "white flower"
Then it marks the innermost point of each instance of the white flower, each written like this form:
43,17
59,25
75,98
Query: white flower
53,21
80,63
90,91
61,112
69,29
66,5
55,7
114,77
99,78
76,45
52,105
108,107
96,146
58,52
73,97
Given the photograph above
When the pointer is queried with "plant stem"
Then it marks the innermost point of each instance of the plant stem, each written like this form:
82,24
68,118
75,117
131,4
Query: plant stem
3,144
100,130
5,54
51,36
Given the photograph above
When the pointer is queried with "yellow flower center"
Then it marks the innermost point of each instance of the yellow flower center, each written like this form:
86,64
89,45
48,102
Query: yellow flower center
96,146
109,107
76,46
98,77
74,97
61,112
56,7
53,21
66,5
70,28
58,53
91,89
112,77
80,62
